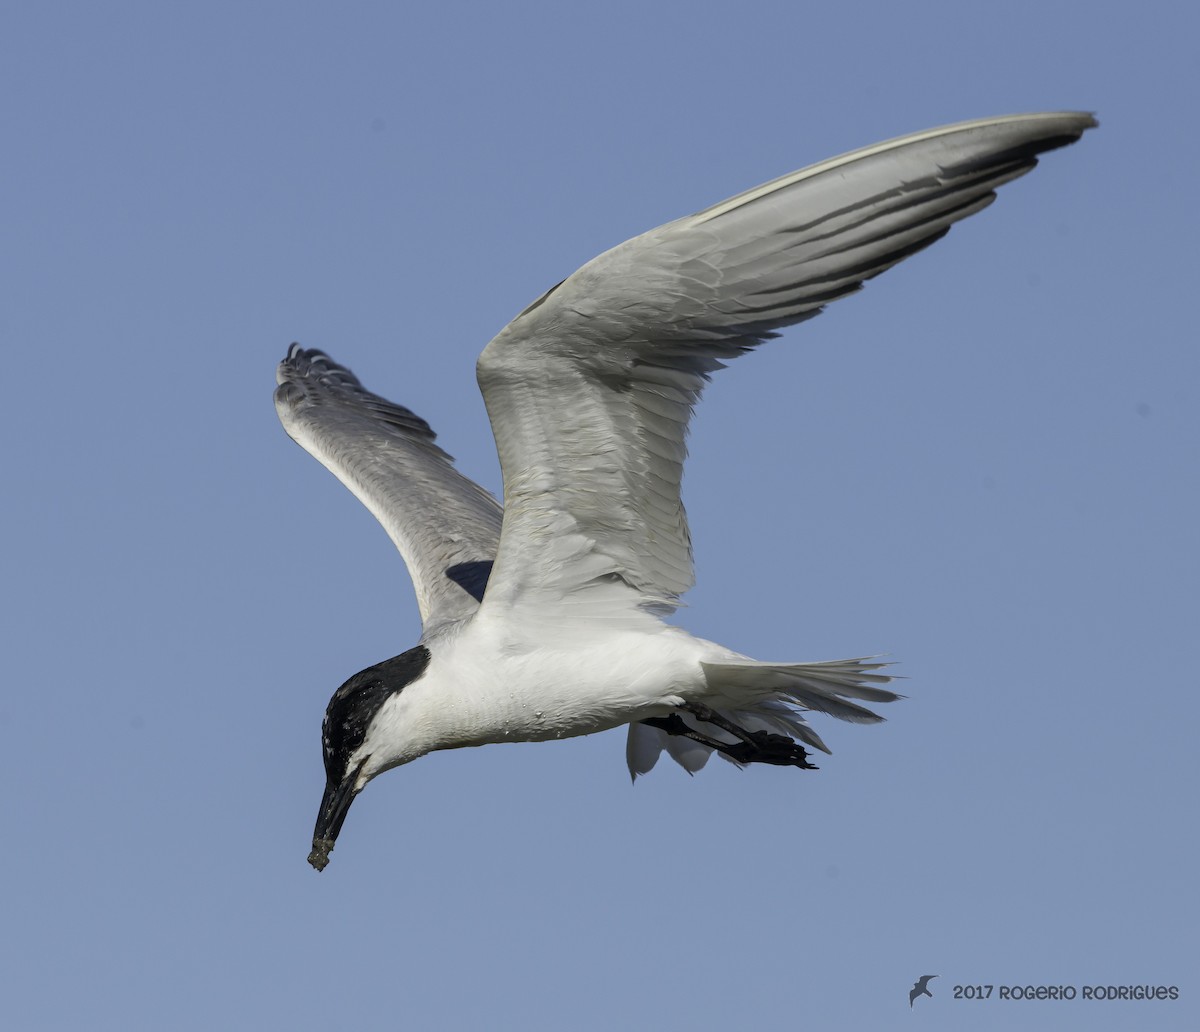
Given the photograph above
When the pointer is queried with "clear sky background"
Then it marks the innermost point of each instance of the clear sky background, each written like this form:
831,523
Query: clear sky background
984,465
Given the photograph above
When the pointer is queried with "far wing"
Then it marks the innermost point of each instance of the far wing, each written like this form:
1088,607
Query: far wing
590,389
445,525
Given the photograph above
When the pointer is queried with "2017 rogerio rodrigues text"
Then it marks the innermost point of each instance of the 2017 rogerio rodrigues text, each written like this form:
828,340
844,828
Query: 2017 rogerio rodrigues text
1066,992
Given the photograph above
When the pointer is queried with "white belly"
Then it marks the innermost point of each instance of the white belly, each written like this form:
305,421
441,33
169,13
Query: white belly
494,690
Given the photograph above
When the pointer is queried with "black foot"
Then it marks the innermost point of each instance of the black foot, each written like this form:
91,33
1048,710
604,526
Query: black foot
754,747
765,747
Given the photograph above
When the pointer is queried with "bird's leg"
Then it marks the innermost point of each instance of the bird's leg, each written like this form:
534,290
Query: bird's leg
753,747
711,716
756,746
674,725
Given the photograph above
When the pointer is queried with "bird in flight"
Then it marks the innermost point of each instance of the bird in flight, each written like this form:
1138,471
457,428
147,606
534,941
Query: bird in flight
920,988
544,618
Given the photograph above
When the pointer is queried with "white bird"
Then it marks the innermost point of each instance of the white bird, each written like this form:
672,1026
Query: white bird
544,619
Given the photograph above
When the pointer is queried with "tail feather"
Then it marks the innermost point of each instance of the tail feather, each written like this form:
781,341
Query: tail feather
823,687
768,697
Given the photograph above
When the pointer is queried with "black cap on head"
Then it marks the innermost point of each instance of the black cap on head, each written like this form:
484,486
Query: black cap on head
347,719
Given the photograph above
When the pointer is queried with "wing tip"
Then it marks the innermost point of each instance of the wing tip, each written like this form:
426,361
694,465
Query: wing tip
301,363
310,376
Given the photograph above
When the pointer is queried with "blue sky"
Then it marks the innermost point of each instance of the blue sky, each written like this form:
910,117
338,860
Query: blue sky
984,465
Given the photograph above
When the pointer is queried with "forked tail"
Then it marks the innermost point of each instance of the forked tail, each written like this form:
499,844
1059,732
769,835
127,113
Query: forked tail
755,713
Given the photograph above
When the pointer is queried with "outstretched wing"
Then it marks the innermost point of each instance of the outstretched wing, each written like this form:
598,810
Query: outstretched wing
590,388
445,525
